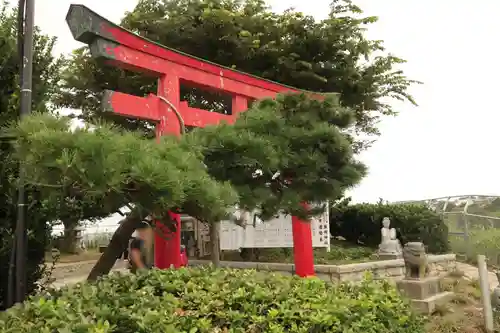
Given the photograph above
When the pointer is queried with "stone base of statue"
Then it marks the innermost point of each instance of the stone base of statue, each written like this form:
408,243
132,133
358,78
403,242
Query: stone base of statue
425,294
423,290
390,250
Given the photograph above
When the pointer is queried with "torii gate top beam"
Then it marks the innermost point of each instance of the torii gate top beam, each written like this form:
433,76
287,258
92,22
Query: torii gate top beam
92,29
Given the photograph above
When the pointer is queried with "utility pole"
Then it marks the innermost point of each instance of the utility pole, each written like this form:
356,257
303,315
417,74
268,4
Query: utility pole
26,7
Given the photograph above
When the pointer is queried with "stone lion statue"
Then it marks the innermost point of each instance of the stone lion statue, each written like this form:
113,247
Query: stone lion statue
415,260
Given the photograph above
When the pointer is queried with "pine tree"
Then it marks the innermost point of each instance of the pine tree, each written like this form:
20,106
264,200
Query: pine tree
277,155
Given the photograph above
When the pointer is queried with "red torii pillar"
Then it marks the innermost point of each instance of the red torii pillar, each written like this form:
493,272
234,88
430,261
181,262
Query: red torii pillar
124,49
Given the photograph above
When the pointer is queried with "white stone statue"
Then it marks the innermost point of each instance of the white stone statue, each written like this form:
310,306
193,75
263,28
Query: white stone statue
240,217
389,245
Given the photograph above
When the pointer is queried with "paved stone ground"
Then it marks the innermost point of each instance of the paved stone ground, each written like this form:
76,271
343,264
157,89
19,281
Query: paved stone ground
471,273
58,283
71,273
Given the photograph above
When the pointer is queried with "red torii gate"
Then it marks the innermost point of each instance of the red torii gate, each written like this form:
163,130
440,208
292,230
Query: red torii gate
125,49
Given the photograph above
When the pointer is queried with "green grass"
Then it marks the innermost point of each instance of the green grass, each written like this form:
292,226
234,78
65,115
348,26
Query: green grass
485,242
484,238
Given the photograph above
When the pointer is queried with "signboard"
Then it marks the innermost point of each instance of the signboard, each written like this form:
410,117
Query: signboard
273,233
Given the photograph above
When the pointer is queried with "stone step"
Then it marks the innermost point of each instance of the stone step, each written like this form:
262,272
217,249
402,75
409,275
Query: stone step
428,305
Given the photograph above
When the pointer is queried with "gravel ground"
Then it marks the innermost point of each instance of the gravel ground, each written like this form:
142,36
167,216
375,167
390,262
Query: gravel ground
76,279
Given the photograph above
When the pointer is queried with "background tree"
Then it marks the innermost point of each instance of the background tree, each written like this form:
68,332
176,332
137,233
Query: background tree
45,79
331,55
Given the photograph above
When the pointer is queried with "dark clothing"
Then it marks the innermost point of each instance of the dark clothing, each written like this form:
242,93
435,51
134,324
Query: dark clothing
138,244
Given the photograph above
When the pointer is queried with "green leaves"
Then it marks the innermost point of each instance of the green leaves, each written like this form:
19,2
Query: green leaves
207,300
300,145
107,169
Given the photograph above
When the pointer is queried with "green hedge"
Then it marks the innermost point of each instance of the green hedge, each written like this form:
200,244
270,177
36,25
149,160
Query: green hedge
209,300
340,252
361,223
37,240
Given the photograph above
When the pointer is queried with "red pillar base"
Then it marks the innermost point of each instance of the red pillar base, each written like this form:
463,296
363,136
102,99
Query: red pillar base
302,247
168,252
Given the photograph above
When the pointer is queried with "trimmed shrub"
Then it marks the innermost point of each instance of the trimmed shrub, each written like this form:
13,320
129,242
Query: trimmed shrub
214,300
340,252
361,223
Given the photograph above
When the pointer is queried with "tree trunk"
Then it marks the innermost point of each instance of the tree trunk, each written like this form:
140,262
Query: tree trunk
68,241
116,246
215,243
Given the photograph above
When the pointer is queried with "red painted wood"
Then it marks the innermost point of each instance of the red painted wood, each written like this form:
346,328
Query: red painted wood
145,108
161,261
302,247
201,118
148,108
169,88
130,59
238,104
137,43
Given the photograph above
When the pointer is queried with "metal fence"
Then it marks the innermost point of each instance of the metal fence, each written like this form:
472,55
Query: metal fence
473,222
94,240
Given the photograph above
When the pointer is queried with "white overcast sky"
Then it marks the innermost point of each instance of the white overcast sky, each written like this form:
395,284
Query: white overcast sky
443,147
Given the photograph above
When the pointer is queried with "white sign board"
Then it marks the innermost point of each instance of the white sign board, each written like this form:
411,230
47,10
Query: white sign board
273,233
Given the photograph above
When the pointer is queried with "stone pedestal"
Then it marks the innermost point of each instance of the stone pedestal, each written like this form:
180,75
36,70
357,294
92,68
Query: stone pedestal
425,294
